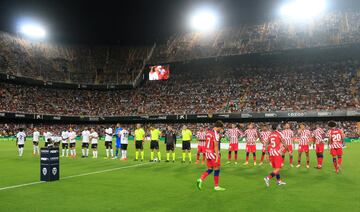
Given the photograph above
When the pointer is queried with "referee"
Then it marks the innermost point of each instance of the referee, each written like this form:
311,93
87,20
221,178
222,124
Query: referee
186,146
139,142
170,141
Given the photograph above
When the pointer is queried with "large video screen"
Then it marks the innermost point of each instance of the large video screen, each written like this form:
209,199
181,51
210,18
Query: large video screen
159,72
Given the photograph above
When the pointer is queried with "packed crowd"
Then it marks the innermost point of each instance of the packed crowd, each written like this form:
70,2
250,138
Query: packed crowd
209,89
351,129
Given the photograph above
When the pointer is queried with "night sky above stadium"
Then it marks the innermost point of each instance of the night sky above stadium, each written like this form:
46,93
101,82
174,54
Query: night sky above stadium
135,22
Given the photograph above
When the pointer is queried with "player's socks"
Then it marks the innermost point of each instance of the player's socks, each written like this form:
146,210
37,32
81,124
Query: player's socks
197,156
216,177
34,150
173,156
159,156
83,152
254,156
107,153
63,152
236,155
167,156
137,155
339,160
151,156
229,155
247,157
189,154
112,152
142,155
117,152
87,152
183,156
205,174
262,157
125,154
278,177
335,164
67,152
271,175
291,159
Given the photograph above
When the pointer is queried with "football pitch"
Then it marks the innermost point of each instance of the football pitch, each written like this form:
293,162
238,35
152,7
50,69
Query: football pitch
88,184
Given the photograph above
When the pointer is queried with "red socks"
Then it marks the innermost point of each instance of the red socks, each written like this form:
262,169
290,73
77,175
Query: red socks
198,156
216,181
247,158
236,155
229,155
340,161
291,159
262,158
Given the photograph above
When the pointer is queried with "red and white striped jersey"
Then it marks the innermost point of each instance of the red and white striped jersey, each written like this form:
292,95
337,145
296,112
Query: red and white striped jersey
275,147
336,138
251,136
234,135
201,137
319,135
264,135
304,136
211,137
288,135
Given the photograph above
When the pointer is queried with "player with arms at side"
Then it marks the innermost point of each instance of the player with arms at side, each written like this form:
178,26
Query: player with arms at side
233,134
118,140
201,137
64,143
275,144
72,139
212,153
186,143
319,135
336,139
170,141
36,136
251,137
288,136
124,139
139,142
108,142
305,135
94,142
85,142
20,141
264,135
154,144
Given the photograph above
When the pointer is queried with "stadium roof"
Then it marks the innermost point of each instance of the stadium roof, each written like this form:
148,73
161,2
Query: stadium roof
135,22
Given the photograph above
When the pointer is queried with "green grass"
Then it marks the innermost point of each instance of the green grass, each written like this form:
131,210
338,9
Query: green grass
171,187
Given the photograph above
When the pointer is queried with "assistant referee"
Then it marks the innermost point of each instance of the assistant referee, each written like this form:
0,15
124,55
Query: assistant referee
139,142
186,143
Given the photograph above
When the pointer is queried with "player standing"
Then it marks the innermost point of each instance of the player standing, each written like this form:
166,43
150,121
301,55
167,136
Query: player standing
251,137
212,153
275,143
201,137
186,143
118,140
47,137
64,143
72,139
139,142
20,141
85,142
264,135
36,136
170,141
154,144
94,142
124,139
336,139
319,135
305,135
108,142
288,136
233,134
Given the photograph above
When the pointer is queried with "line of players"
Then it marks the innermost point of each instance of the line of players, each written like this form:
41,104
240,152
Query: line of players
90,139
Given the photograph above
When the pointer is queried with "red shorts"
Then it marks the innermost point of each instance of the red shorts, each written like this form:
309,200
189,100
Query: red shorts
264,149
276,161
290,147
250,148
320,148
233,147
336,152
303,148
212,163
201,149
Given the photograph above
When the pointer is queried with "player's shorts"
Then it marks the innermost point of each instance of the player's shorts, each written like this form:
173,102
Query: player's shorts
154,145
336,152
212,163
65,145
85,145
250,148
233,147
186,145
201,149
108,144
276,161
303,148
118,144
94,146
124,146
320,148
72,145
139,145
290,147
36,143
21,145
170,147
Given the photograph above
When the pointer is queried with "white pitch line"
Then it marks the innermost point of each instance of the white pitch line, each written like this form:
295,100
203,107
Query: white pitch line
73,176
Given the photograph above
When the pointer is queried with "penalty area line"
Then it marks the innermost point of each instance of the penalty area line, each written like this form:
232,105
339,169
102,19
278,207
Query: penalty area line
74,176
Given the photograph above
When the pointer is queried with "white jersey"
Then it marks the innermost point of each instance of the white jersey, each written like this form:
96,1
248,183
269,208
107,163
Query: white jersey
21,138
108,132
47,136
124,136
72,137
56,139
94,137
64,136
36,136
85,136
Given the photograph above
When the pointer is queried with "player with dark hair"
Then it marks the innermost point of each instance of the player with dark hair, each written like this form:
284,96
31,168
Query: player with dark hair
170,141
233,134
275,144
305,135
251,137
212,154
319,135
264,135
336,138
201,137
20,141
288,136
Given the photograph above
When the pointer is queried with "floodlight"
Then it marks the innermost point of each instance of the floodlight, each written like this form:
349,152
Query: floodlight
204,20
303,9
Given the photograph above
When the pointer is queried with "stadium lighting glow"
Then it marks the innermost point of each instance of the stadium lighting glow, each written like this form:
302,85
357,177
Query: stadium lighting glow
33,30
204,20
303,9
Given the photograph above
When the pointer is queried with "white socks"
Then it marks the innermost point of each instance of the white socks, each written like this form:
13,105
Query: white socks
123,154
21,151
107,152
112,152
83,152
63,152
94,153
67,152
87,152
